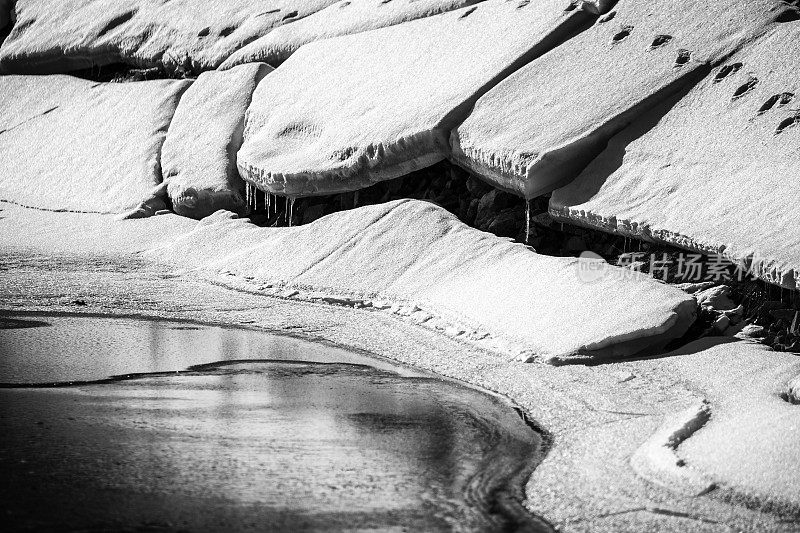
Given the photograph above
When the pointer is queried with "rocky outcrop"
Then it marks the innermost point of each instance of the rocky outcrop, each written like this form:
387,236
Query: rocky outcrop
53,36
73,144
342,18
542,125
717,173
417,260
199,156
346,112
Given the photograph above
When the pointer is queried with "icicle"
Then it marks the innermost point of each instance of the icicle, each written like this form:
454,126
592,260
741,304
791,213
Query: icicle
286,210
269,201
247,195
527,221
291,210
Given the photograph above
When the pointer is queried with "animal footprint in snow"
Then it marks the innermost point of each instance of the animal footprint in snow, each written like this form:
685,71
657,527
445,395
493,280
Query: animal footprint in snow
684,56
787,123
659,41
623,34
726,71
779,99
745,88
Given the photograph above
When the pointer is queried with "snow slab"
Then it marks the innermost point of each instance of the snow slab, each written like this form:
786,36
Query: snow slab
749,442
77,145
199,156
344,113
53,36
541,126
342,18
429,265
717,174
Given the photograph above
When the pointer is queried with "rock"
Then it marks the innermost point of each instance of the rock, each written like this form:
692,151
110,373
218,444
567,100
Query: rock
344,113
722,323
199,156
717,173
507,223
693,288
342,18
538,128
52,36
489,205
575,244
752,331
313,212
716,298
73,144
415,251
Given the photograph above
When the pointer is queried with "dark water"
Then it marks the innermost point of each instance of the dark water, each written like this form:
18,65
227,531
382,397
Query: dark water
269,434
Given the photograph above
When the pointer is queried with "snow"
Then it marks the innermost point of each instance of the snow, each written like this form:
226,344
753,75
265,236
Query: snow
542,125
343,113
713,175
199,156
342,18
73,144
53,36
750,444
422,258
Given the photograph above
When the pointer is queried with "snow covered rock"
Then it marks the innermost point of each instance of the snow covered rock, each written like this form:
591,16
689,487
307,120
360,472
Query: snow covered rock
52,36
342,18
199,156
541,126
72,144
418,256
717,174
343,113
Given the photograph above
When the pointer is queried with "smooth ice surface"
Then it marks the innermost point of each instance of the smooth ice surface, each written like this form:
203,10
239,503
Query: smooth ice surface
342,18
199,156
543,124
751,442
52,36
717,174
263,445
343,113
60,349
418,254
73,144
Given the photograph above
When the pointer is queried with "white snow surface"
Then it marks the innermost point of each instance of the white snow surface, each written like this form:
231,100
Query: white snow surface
342,18
542,125
716,174
199,156
751,442
53,36
418,255
73,144
343,113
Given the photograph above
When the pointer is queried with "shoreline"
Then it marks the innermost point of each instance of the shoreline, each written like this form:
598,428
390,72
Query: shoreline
596,416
